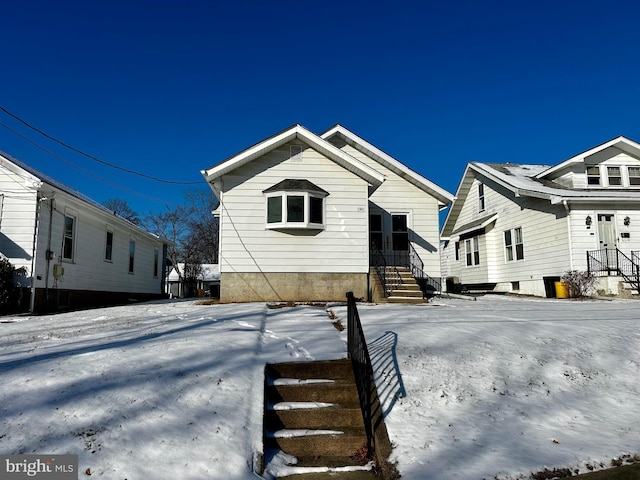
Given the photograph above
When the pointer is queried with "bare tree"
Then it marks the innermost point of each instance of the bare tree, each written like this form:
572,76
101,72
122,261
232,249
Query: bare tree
203,225
170,224
194,232
122,208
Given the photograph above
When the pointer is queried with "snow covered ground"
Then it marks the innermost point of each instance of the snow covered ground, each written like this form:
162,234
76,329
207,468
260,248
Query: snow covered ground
496,388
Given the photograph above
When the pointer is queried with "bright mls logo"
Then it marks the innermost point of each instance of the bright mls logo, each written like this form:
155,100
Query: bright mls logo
49,467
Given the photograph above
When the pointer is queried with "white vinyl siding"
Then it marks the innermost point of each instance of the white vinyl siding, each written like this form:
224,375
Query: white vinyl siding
545,227
341,247
398,195
89,270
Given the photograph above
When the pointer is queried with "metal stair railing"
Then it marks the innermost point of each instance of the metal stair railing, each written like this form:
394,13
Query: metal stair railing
610,261
389,276
362,368
429,285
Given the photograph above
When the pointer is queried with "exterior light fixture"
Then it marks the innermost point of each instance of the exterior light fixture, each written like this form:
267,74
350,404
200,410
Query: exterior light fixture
627,221
588,221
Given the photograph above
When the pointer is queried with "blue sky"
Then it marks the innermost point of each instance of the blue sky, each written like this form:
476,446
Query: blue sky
169,88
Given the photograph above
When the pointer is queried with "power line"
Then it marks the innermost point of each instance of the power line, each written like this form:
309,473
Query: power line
87,172
103,162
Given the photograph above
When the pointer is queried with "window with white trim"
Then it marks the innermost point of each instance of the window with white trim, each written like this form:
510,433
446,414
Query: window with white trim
472,251
513,244
69,236
634,176
593,175
481,197
108,246
156,259
297,204
132,254
614,175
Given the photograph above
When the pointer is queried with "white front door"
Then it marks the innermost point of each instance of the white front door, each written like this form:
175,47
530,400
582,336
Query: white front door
607,236
607,230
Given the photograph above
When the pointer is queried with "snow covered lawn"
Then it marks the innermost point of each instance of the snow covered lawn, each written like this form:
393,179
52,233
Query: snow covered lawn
500,387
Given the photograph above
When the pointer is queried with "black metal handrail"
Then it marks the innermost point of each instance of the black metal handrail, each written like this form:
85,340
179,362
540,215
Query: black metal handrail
608,261
362,369
389,276
429,285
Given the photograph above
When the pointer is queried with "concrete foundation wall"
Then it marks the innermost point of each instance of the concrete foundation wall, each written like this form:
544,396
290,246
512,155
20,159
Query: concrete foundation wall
291,287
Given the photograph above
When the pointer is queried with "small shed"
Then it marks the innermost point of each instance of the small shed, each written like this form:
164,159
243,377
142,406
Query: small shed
208,282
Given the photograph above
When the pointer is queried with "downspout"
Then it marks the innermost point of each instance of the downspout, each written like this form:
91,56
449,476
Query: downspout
32,299
48,253
568,210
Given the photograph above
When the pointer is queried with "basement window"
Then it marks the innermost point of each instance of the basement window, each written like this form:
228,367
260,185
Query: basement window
295,204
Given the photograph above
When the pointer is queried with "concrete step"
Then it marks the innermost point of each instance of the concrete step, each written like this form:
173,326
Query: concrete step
332,418
402,290
313,444
368,475
396,299
312,392
324,370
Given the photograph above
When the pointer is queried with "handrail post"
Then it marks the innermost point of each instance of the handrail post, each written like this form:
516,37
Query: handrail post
362,369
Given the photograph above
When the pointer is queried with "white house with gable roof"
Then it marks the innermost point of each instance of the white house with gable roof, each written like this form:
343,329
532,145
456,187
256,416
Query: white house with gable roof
75,252
303,217
519,228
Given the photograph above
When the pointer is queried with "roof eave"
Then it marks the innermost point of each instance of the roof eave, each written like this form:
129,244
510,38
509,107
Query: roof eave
371,176
391,163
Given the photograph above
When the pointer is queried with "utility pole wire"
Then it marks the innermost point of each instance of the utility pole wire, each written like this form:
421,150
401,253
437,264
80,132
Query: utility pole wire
86,172
117,167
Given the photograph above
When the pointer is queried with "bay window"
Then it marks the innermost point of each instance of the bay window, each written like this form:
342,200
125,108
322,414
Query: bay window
295,204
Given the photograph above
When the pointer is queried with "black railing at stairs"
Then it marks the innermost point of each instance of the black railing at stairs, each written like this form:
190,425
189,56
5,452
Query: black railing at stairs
429,285
362,369
391,279
389,276
611,261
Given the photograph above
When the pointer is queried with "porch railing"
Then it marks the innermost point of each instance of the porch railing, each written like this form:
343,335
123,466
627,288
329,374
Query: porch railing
388,275
429,285
611,261
362,369
377,436
387,268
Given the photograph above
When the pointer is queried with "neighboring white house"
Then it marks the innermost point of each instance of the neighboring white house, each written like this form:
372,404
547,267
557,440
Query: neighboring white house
521,227
300,214
76,253
207,282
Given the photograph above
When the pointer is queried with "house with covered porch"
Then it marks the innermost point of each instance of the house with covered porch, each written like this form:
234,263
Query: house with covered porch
519,228
308,217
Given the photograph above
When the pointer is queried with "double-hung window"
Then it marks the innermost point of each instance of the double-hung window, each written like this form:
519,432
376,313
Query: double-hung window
132,254
481,204
472,251
593,175
513,244
69,237
614,175
108,248
156,259
295,204
634,176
